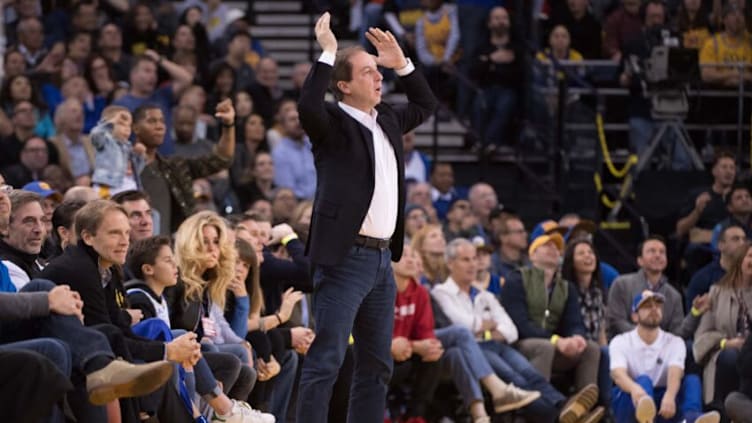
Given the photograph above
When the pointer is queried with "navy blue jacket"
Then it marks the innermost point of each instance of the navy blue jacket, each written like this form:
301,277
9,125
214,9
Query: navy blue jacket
702,280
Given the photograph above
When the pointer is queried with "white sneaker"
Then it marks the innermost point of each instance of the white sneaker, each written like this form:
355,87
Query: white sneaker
243,413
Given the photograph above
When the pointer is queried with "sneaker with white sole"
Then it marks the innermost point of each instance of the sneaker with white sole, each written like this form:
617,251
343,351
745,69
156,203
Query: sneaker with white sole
709,417
242,413
514,398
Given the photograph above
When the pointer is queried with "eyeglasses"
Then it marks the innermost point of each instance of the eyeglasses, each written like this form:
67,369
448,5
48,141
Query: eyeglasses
6,188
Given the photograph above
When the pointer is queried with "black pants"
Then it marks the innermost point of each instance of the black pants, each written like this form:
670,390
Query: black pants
31,387
421,378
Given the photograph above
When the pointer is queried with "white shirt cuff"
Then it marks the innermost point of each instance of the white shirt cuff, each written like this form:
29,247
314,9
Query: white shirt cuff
407,70
327,57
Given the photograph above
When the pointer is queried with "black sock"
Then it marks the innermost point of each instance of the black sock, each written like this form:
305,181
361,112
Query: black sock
96,363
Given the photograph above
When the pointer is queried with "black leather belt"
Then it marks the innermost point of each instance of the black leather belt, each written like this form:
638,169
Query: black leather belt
369,242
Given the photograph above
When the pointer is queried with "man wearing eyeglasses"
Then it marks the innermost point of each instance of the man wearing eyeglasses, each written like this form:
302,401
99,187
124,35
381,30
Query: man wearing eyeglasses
512,238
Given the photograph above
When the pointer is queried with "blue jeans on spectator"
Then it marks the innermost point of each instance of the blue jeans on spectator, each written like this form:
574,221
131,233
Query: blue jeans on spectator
512,367
465,360
493,112
354,297
472,20
688,400
641,131
282,384
372,13
604,378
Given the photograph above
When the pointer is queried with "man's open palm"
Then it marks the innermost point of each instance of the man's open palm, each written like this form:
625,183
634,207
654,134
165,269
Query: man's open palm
390,53
324,34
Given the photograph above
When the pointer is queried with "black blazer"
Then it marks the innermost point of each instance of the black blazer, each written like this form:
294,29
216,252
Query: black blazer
343,155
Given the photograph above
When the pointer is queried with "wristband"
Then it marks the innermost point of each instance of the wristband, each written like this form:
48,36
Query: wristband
487,335
695,312
288,238
279,319
224,125
723,343
554,339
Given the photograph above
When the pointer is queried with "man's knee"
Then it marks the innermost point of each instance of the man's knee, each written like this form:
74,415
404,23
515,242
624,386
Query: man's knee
537,348
38,285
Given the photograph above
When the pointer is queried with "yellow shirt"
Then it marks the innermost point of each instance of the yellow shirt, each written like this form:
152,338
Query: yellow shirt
573,56
718,49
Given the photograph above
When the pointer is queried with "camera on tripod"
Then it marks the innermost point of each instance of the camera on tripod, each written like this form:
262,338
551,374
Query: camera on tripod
666,74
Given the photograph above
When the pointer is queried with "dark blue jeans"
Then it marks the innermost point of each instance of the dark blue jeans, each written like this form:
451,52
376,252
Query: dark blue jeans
604,378
512,367
688,399
354,297
282,384
493,112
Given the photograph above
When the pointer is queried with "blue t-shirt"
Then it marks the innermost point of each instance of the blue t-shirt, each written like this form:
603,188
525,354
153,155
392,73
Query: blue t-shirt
162,97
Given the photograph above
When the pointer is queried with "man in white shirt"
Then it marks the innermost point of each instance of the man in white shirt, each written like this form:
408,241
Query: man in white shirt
647,366
357,223
480,311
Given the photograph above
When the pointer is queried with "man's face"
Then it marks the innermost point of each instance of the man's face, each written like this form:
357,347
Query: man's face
292,127
26,231
86,18
655,15
185,124
463,267
420,194
577,7
112,238
263,208
266,73
140,219
165,269
364,89
284,204
653,256
515,235
111,37
650,314
35,155
443,178
144,76
459,211
23,115
73,118
724,171
239,46
31,34
299,74
263,167
265,232
408,142
483,200
4,202
547,255
256,237
15,64
151,129
498,20
559,38
731,242
184,39
741,202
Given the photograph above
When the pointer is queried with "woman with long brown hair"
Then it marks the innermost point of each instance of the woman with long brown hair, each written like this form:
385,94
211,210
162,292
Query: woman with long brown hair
723,329
430,244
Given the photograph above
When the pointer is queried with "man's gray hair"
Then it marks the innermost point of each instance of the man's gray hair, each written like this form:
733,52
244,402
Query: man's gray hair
451,249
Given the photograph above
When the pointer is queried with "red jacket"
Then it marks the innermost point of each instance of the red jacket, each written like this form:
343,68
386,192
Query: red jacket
413,316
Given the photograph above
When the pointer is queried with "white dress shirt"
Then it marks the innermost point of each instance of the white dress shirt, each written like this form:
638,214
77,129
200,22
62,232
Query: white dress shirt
381,219
469,312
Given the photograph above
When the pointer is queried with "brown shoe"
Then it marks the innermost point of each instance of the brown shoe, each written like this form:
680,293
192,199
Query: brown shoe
121,379
514,398
579,404
594,416
645,410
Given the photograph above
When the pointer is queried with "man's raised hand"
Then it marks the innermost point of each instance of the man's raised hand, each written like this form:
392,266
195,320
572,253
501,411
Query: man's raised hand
324,34
390,53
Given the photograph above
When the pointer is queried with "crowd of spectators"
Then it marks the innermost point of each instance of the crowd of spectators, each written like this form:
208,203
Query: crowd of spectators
156,193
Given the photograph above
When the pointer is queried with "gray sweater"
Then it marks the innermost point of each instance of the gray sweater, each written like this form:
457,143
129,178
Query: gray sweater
619,310
24,305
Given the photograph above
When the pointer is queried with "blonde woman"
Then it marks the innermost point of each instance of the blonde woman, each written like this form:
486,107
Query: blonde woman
206,259
430,244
